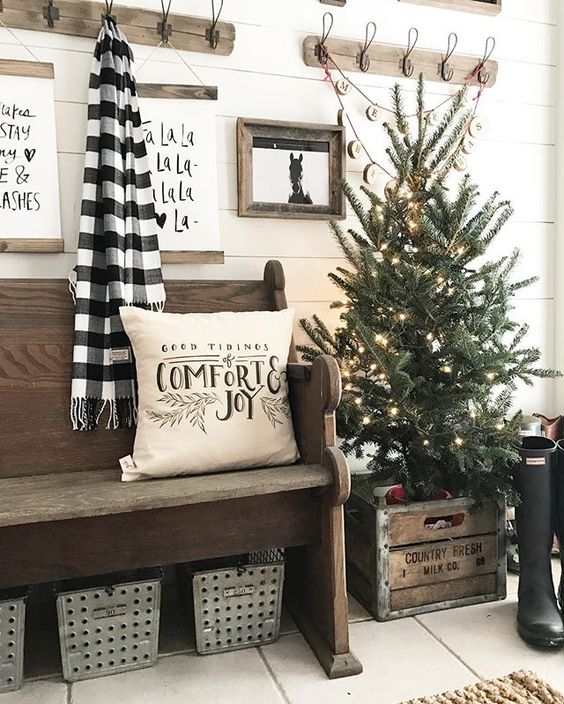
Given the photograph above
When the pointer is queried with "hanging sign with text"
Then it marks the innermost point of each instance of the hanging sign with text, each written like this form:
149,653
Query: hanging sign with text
181,144
29,182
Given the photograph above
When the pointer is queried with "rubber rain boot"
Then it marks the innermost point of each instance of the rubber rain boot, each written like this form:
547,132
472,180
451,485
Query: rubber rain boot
539,620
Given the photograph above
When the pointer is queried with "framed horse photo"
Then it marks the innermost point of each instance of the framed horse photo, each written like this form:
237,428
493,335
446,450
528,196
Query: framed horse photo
290,169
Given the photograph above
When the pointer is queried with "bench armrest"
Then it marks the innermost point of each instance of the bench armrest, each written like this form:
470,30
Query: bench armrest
315,392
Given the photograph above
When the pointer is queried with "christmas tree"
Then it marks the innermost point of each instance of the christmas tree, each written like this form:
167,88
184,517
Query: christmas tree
428,352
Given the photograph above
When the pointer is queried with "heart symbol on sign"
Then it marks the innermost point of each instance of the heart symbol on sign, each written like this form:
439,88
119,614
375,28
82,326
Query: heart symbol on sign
161,219
29,153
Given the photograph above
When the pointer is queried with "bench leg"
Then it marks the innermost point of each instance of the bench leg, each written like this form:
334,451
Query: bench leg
317,596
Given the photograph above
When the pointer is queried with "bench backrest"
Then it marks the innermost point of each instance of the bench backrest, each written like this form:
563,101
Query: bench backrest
36,337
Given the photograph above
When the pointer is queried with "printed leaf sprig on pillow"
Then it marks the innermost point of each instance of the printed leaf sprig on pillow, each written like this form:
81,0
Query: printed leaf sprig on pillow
429,354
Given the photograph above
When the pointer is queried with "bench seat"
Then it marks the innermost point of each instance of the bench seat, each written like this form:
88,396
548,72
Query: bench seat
71,495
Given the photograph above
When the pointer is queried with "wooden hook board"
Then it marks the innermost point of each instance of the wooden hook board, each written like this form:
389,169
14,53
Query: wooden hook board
386,60
81,18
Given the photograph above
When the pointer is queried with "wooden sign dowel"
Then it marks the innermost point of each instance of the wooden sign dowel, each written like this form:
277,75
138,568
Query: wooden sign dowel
195,257
30,245
81,18
386,60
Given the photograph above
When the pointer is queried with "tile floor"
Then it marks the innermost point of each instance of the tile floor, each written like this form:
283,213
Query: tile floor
402,659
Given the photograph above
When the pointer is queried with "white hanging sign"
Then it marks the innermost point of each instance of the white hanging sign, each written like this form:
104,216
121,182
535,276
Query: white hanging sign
29,182
180,135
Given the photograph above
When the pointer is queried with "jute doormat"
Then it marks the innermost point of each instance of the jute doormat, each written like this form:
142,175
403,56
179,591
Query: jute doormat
518,688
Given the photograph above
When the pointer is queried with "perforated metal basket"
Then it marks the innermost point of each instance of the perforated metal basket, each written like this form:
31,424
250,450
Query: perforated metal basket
12,625
239,605
110,624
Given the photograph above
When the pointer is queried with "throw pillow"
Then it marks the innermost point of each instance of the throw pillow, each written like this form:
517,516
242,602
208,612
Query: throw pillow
213,393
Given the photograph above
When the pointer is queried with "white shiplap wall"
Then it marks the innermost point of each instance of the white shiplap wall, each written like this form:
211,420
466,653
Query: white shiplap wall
265,77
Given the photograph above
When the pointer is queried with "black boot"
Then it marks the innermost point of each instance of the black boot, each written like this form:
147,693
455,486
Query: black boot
559,483
539,620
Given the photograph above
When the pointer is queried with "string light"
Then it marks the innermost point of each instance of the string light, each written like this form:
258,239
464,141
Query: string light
461,250
358,401
365,420
402,316
429,336
372,367
447,369
499,426
348,387
458,441
472,414
490,376
395,260
394,410
426,443
384,247
361,350
440,280
382,377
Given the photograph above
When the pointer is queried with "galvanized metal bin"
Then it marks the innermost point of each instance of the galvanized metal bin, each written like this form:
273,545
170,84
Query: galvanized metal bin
12,625
109,624
236,605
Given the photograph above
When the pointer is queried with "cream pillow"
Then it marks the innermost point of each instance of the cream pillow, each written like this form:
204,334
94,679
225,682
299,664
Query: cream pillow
213,393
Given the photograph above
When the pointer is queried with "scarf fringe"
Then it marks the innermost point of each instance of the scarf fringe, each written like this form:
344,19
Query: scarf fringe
86,412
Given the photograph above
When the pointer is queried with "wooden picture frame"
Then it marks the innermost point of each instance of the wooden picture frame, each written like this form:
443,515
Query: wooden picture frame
482,7
306,150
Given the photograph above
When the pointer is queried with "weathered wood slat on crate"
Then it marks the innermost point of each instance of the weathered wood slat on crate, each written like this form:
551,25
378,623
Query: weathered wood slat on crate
441,562
82,18
409,527
28,69
432,594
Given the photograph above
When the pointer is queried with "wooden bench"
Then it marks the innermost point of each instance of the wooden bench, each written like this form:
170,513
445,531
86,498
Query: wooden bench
65,513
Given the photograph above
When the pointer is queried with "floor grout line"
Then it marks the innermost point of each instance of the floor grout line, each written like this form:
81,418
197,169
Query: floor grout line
448,648
273,677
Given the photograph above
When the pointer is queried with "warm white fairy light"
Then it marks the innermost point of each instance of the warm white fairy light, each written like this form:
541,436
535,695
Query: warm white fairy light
372,367
402,317
447,369
346,373
426,443
460,250
394,410
472,414
458,441
348,387
430,336
384,247
361,350
395,260
382,377
440,280
358,401
366,420
499,426
490,376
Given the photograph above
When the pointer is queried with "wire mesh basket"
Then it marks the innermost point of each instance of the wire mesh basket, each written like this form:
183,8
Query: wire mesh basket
236,605
12,627
109,624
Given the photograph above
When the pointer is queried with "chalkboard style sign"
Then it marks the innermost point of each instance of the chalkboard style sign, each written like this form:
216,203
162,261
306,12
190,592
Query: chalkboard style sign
30,218
179,127
483,7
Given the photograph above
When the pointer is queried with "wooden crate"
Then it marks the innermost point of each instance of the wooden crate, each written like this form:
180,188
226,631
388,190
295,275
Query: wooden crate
397,566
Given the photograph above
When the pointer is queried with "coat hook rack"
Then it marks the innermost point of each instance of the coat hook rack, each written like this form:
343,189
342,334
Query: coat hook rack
164,28
363,59
401,61
81,18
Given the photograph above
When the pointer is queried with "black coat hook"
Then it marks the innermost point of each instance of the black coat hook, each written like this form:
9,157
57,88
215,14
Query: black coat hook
212,32
363,60
108,14
321,50
407,66
484,76
164,28
51,14
446,72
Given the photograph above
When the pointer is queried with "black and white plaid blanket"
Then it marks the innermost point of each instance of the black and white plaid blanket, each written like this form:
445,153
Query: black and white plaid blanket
118,253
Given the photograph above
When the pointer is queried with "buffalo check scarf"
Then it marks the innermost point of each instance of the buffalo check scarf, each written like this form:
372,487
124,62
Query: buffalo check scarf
118,259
